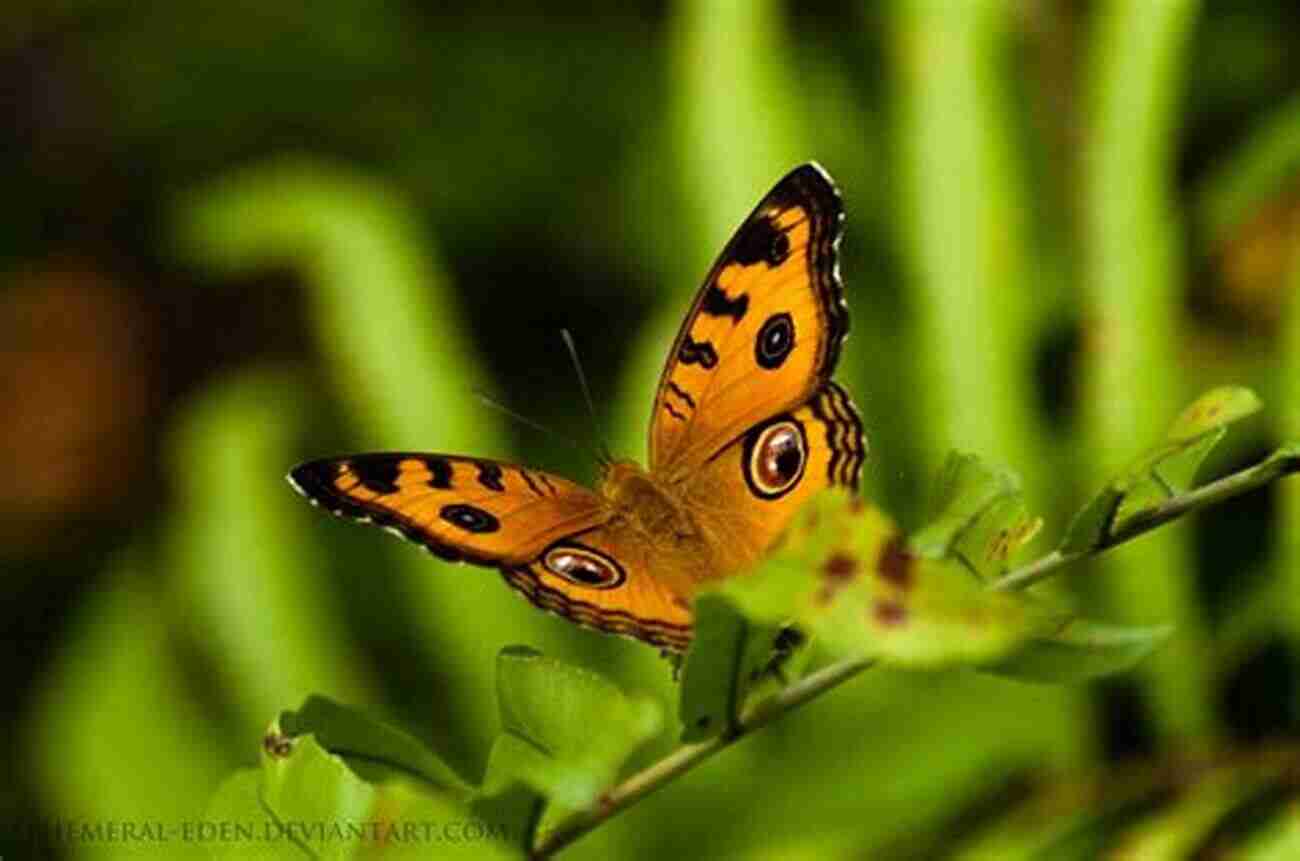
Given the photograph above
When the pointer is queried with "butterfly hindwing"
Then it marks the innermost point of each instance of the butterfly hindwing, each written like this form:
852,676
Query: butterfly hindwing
748,492
765,330
636,598
473,509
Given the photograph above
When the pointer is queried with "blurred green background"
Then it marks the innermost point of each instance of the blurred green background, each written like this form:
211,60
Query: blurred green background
238,235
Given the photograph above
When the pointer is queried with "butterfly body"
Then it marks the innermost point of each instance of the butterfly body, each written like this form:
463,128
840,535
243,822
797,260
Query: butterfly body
747,426
647,504
646,511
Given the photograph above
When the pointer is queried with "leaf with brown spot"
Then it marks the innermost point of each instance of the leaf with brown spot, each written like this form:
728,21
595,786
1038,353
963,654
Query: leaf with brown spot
857,586
890,614
841,567
979,517
896,562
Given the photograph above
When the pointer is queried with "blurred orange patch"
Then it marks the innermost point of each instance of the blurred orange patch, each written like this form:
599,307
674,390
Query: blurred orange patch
76,383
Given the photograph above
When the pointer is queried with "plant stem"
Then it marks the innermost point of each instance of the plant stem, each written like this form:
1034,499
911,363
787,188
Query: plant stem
1283,463
687,757
684,758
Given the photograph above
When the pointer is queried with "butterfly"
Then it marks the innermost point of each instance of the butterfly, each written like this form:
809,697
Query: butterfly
747,425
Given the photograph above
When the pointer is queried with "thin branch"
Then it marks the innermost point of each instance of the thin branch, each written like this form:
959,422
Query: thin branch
687,757
684,758
1148,519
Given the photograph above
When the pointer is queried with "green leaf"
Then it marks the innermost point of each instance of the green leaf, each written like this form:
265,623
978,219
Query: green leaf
848,577
1094,522
1081,650
418,825
712,676
1215,409
1177,472
979,516
1166,470
245,825
368,744
727,657
566,731
320,806
303,783
971,497
334,748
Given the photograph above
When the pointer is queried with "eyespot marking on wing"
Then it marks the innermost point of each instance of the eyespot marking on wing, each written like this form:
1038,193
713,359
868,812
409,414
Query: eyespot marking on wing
470,518
775,341
584,566
774,457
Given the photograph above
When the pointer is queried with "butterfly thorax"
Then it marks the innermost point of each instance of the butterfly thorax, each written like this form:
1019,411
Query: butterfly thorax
647,505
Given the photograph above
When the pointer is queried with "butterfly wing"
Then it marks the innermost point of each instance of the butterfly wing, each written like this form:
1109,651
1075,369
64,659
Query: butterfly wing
459,508
747,493
764,333
627,588
554,541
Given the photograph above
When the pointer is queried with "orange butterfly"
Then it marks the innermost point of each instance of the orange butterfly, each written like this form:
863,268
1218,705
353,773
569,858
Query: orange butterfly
747,425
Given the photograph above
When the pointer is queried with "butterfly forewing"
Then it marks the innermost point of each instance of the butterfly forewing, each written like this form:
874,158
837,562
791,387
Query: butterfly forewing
519,520
764,332
478,510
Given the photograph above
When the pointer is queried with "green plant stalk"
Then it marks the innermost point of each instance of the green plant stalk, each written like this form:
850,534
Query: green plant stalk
1286,567
1171,509
965,233
1132,384
385,317
687,757
226,458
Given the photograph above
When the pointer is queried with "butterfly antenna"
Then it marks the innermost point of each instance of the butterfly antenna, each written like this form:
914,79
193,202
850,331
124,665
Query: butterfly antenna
603,455
488,400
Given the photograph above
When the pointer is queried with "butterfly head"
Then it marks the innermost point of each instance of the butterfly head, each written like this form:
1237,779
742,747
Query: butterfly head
619,478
